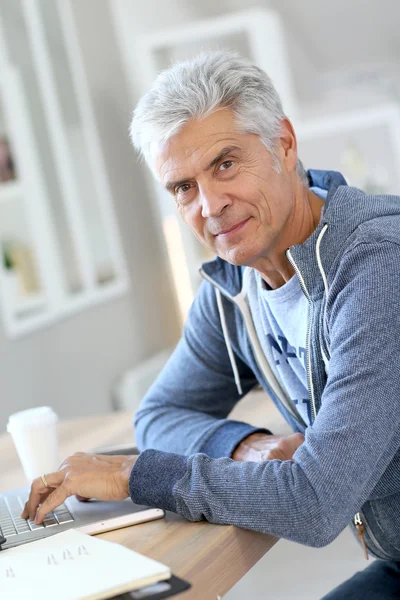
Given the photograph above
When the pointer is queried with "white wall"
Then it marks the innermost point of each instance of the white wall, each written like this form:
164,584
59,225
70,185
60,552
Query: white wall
133,18
73,364
137,18
325,40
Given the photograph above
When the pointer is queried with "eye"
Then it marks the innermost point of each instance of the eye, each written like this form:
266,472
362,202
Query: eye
185,187
224,166
185,193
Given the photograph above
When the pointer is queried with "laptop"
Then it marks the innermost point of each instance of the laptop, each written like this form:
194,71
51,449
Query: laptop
90,517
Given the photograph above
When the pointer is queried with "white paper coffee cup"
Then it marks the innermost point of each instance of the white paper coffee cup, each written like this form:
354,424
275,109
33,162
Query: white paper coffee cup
34,434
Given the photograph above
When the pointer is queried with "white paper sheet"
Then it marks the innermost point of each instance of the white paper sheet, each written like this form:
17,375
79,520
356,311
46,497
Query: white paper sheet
74,566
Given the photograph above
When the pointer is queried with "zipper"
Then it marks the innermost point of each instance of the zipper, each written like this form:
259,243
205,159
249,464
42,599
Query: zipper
360,523
362,527
308,337
324,346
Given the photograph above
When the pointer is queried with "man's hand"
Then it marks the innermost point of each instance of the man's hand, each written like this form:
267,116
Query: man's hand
261,446
86,475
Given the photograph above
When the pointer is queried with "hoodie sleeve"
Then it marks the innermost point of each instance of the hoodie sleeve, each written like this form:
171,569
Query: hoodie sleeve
353,440
185,410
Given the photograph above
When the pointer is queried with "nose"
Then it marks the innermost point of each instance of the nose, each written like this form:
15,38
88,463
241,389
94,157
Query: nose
213,202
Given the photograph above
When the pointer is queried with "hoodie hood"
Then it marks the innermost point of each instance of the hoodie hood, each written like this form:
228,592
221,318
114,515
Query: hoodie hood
358,208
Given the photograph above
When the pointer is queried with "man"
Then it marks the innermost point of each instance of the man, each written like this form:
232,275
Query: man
302,299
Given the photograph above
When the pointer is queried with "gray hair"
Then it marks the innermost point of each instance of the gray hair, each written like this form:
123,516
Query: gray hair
195,88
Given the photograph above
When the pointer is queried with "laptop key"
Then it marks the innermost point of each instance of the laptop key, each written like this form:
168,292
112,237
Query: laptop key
34,526
20,523
64,518
5,522
9,525
50,521
62,510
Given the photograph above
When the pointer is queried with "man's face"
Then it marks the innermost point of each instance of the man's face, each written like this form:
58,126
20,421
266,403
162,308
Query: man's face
226,189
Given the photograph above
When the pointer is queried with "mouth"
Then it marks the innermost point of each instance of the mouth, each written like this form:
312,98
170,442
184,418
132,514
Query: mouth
233,229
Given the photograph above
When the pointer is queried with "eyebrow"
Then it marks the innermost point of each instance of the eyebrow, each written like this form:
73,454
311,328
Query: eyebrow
224,152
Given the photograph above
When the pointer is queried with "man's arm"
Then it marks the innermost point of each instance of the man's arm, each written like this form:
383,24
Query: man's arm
355,436
107,477
185,410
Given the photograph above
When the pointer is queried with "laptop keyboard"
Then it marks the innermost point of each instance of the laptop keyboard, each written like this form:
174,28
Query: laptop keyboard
11,523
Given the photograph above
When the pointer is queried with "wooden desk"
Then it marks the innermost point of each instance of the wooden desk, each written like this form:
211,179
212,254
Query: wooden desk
211,557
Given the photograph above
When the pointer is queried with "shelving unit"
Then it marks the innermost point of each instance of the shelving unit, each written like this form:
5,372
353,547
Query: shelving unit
364,145
62,195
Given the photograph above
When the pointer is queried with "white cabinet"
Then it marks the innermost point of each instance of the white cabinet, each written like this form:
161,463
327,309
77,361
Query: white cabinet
364,145
59,241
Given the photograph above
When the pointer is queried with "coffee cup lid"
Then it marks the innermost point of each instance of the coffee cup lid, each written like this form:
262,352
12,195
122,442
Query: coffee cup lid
32,417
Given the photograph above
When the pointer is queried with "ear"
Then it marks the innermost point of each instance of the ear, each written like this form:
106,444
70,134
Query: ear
288,146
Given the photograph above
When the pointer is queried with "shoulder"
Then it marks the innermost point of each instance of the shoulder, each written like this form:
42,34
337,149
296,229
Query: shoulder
366,280
359,225
223,275
218,276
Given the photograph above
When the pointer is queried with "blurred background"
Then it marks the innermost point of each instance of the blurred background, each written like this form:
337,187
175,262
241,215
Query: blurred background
97,273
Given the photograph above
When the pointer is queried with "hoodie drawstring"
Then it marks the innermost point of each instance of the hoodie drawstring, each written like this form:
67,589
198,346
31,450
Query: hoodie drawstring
228,341
324,278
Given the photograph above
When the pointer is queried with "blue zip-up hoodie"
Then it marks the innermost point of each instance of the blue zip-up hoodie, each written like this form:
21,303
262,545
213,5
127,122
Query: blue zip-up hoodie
349,463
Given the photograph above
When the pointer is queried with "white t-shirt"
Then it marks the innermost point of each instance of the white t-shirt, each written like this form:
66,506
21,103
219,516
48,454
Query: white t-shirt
284,315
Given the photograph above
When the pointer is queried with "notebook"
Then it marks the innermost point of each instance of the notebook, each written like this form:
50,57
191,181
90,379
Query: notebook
74,566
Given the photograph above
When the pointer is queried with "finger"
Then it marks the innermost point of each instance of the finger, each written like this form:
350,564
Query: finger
293,442
274,454
297,438
286,447
55,498
82,498
25,513
39,490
